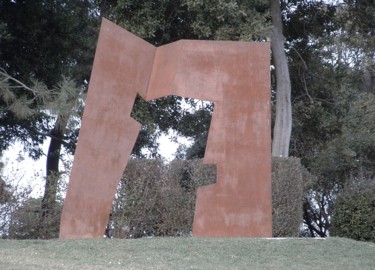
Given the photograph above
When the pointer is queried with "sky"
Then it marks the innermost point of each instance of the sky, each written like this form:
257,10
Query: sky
22,171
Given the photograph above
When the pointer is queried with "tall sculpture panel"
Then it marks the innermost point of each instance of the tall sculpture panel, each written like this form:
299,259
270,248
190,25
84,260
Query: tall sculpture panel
234,75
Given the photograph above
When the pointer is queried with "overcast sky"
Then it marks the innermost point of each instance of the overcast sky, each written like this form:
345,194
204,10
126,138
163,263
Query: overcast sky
20,170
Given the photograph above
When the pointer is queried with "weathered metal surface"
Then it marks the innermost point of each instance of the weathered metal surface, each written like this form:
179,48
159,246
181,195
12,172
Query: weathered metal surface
235,75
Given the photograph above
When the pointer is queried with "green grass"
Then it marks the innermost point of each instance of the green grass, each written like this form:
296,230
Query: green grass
188,253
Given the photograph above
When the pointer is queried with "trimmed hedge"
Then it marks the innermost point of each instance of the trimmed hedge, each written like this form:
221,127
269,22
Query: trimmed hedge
158,199
354,213
287,196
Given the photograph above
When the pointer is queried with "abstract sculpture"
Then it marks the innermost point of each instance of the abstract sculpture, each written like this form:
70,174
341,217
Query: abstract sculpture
234,75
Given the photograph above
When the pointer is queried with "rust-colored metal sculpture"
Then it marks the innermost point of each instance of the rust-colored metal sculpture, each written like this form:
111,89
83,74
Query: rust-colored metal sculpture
234,75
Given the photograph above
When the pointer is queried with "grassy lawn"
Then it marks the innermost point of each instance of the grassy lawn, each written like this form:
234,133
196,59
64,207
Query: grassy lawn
188,253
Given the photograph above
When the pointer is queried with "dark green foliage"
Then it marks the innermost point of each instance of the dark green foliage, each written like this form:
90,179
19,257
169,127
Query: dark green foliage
156,116
331,60
188,117
195,125
354,212
168,21
46,53
331,64
351,153
340,157
42,42
30,131
229,20
47,39
362,15
287,196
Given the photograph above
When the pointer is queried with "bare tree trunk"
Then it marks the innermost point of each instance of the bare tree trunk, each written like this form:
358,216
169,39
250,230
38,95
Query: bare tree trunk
283,122
52,167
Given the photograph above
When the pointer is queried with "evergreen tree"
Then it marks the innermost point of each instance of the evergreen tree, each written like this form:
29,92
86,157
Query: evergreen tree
46,51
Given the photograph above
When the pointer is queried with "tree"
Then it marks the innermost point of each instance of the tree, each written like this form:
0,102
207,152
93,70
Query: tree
283,122
354,214
327,70
169,21
308,26
195,124
324,71
329,52
45,48
156,116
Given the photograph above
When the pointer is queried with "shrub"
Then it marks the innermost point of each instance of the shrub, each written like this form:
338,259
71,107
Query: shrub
287,196
21,216
28,223
354,213
158,199
16,196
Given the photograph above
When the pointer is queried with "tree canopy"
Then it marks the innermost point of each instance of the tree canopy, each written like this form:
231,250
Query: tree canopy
47,48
